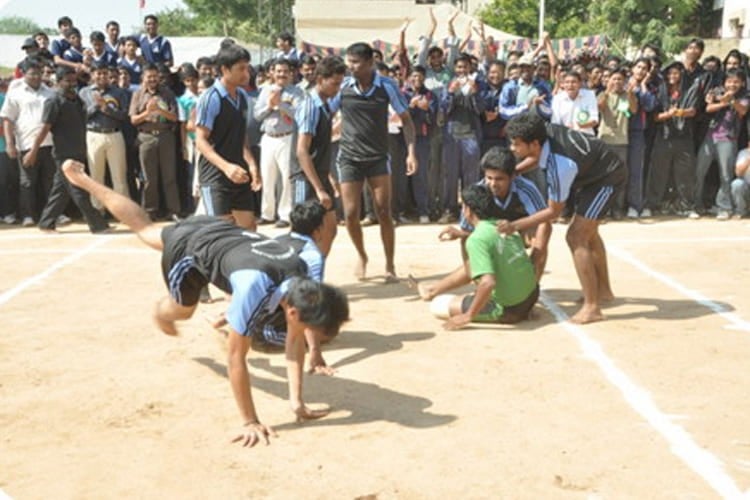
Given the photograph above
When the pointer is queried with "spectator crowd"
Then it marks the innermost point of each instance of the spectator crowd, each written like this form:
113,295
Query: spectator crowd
681,127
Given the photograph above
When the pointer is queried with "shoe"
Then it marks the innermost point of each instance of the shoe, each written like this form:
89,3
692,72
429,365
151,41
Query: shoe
281,224
736,216
368,221
402,219
263,222
9,219
447,218
27,222
63,220
423,219
646,212
693,215
722,215
632,213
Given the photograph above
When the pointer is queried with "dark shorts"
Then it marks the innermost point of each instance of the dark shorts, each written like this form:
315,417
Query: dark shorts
183,280
358,171
304,191
595,200
221,200
493,312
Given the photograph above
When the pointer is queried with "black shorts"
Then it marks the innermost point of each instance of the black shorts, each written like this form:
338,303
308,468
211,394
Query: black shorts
493,312
304,190
221,200
182,278
357,171
594,200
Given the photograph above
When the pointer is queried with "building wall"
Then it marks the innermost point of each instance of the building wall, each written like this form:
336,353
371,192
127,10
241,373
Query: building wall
733,9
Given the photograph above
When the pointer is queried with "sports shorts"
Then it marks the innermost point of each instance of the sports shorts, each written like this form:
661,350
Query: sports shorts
492,312
357,171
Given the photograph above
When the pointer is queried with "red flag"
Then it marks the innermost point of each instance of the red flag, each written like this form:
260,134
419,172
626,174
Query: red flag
141,4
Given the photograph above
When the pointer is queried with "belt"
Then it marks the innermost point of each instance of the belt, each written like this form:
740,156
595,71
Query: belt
103,130
155,131
283,134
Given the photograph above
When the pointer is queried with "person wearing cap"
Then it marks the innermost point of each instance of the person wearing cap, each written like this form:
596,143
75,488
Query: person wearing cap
154,47
526,93
106,115
32,51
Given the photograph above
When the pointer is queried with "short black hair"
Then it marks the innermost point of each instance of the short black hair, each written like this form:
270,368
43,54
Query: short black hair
574,74
361,50
97,65
284,62
318,304
697,41
735,73
112,23
72,31
62,71
307,216
96,36
499,158
230,55
152,17
528,127
435,49
226,42
382,67
187,70
330,66
419,69
378,52
286,37
132,39
64,20
479,200
204,61
151,67
308,60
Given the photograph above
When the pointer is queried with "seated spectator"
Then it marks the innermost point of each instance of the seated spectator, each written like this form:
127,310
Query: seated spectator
98,52
741,185
131,61
155,49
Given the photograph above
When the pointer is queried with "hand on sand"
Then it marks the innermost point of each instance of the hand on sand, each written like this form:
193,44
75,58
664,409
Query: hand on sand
457,322
425,290
253,433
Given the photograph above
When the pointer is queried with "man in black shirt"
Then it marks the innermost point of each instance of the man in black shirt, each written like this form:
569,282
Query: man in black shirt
64,116
363,154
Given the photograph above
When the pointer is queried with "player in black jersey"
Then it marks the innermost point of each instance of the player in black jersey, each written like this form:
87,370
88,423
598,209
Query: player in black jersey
581,168
260,273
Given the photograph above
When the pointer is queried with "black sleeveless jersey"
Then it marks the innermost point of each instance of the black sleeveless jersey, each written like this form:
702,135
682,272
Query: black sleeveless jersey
594,159
227,137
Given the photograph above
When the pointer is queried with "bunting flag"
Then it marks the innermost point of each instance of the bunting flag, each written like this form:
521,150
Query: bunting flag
141,4
565,48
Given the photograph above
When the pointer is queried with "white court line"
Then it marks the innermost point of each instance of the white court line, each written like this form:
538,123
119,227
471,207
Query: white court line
42,251
4,496
709,239
54,236
6,296
736,321
701,461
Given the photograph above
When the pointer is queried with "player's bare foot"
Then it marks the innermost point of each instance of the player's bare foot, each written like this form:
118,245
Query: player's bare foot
390,277
166,326
75,172
587,314
606,297
360,270
426,291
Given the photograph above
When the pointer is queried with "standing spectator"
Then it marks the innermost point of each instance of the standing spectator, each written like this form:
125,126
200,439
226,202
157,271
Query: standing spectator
22,121
228,173
106,115
98,52
423,110
287,50
307,72
42,41
462,108
640,85
186,106
130,134
727,106
113,43
575,107
616,106
74,54
525,93
155,49
275,109
674,151
65,117
8,173
493,125
60,45
363,149
131,61
153,110
206,67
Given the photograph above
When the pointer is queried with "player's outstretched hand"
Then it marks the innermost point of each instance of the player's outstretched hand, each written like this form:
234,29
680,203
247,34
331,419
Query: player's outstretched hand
253,433
304,413
450,233
457,322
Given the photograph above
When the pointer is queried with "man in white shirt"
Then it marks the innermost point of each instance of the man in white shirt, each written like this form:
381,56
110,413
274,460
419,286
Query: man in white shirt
22,118
575,107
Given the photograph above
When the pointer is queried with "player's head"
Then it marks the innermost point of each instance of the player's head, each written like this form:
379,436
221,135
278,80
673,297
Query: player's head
359,59
329,73
527,133
320,307
307,217
233,62
499,167
478,201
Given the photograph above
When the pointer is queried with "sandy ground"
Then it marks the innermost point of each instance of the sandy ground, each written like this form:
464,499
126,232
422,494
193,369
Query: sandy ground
652,403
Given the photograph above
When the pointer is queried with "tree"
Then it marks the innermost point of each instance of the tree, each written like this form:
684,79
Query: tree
564,18
16,25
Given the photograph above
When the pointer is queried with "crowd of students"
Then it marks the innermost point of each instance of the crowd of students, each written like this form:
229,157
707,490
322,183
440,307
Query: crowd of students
680,127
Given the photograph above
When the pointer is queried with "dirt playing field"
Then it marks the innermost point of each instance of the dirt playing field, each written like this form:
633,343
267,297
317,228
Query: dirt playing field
652,403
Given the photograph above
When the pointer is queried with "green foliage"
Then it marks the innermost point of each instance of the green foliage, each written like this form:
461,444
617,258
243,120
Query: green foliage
16,25
564,18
